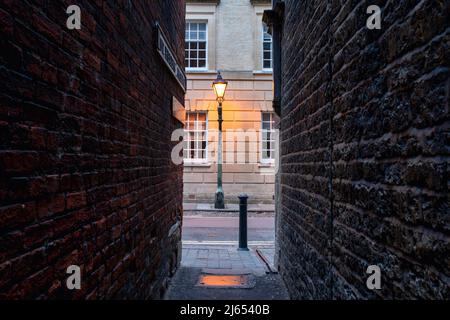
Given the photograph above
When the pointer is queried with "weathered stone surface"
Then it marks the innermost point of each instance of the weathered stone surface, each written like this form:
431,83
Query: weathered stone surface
365,150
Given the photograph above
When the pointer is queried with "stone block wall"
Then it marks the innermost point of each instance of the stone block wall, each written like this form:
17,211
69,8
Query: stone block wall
86,176
247,97
365,150
234,46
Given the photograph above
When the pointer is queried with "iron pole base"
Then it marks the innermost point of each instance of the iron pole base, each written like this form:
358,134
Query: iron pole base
220,201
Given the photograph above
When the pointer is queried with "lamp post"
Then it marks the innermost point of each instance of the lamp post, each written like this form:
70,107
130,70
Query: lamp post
220,86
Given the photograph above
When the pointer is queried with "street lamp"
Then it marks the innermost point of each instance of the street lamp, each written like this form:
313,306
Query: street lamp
220,86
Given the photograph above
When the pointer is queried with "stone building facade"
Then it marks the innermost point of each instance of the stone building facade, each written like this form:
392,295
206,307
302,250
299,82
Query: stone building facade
364,148
228,35
86,176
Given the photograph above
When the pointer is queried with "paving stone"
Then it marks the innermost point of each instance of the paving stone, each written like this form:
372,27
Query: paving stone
184,287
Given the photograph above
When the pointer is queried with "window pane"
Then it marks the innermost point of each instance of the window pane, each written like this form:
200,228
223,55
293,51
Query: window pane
267,48
196,44
201,126
187,31
197,139
267,140
266,125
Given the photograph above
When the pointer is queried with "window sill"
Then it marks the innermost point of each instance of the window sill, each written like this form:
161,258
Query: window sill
188,70
265,71
216,2
199,164
266,165
260,2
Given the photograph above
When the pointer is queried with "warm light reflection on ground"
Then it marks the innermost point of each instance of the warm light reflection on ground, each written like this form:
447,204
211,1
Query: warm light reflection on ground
223,280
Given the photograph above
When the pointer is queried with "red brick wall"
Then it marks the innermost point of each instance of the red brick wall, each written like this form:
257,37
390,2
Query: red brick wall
85,171
365,150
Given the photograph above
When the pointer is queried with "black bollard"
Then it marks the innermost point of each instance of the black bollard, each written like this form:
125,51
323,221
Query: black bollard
243,222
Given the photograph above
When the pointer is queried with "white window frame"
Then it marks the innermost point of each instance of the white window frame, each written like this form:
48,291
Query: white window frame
272,131
205,68
262,50
186,151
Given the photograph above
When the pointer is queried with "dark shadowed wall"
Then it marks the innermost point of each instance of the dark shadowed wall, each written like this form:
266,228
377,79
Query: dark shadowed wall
365,149
85,171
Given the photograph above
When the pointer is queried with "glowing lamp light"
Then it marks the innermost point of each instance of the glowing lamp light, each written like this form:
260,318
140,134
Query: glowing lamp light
220,86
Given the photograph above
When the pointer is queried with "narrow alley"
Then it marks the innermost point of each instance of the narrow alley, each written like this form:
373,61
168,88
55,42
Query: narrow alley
264,150
210,249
